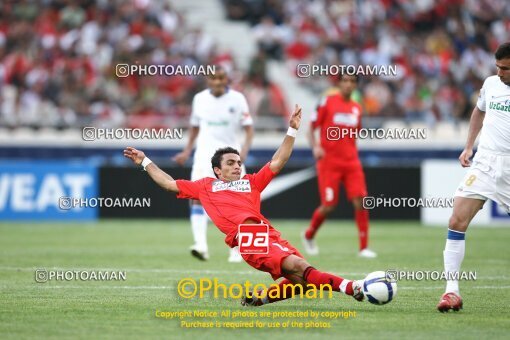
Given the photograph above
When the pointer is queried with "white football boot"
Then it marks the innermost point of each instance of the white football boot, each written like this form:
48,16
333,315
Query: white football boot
309,245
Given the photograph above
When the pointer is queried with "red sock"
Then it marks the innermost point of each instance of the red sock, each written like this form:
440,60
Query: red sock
315,224
362,222
315,277
282,295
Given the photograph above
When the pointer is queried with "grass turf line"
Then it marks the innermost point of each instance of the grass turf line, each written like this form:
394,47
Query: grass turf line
155,256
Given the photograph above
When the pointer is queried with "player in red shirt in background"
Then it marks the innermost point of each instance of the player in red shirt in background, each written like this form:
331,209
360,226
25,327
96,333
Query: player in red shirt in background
230,200
338,162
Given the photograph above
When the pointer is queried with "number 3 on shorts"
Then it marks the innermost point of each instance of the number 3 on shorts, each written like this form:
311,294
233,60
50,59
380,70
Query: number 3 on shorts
470,180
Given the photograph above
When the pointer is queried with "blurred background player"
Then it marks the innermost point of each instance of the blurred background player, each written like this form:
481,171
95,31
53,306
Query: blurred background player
489,175
338,162
218,114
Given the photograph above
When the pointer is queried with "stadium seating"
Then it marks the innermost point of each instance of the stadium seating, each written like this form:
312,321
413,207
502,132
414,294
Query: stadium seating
58,64
57,61
444,48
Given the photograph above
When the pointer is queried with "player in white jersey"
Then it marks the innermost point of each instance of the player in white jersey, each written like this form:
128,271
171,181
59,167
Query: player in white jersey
489,174
218,115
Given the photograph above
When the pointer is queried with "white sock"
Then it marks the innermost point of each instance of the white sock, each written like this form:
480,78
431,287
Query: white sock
453,255
199,227
234,251
343,285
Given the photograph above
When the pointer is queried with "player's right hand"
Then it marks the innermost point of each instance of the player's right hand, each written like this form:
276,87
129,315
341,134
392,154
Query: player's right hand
464,158
181,157
136,156
295,118
318,152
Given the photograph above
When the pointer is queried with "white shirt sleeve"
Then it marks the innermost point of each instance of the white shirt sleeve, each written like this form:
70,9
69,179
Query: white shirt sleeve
194,120
480,103
246,118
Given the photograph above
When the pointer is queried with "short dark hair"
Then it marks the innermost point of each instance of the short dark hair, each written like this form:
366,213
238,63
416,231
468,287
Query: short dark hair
503,51
216,159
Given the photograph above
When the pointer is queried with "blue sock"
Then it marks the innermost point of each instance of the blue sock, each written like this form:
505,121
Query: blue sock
456,235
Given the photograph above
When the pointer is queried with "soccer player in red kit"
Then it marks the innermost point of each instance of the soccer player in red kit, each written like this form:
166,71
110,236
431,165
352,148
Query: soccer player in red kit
230,201
338,163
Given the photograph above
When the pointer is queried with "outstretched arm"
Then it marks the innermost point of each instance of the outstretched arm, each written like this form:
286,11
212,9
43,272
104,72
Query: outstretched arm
163,179
283,153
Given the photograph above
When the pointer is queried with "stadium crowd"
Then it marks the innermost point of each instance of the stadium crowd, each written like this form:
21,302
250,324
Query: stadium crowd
442,48
58,65
58,57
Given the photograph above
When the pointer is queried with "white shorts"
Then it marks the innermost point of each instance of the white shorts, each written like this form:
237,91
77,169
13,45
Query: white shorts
201,169
488,178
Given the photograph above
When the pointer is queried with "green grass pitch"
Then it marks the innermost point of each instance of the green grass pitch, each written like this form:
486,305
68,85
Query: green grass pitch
155,256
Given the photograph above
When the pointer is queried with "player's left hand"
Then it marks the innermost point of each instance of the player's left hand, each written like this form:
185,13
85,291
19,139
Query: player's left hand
181,157
295,119
136,156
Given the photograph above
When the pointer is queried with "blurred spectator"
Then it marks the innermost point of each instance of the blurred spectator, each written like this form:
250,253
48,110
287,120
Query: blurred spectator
265,98
269,37
377,96
58,63
443,49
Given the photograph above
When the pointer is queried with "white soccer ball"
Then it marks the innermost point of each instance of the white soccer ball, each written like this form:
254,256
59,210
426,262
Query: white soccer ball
379,288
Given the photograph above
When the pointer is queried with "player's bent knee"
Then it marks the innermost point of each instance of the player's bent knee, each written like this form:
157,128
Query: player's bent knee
302,264
458,223
295,265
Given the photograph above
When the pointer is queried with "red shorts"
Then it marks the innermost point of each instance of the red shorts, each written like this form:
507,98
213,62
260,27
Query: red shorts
331,176
271,262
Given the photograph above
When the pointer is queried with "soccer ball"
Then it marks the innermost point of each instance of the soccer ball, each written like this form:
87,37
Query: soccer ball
379,288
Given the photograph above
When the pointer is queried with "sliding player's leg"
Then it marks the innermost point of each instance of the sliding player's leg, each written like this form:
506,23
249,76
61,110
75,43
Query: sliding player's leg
298,275
283,290
283,260
299,271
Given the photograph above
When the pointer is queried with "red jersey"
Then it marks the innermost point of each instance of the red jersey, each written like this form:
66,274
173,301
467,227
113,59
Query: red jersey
333,115
229,204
